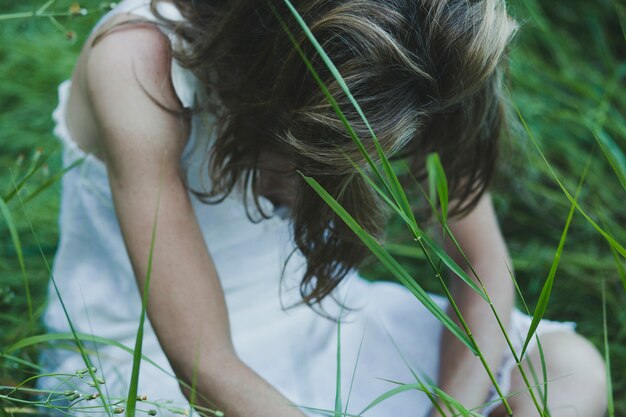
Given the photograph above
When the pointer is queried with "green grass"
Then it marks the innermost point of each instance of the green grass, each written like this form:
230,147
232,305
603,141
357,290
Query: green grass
567,67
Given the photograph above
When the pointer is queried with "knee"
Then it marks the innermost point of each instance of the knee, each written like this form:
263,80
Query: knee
570,356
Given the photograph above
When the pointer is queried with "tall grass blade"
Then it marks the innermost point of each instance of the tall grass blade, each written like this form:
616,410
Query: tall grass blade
385,396
356,362
438,185
53,179
450,402
546,291
421,237
618,262
450,263
131,402
613,155
338,406
56,337
36,163
395,186
6,213
392,265
45,6
22,362
95,346
544,376
79,345
619,266
406,251
607,356
331,100
425,389
325,412
194,379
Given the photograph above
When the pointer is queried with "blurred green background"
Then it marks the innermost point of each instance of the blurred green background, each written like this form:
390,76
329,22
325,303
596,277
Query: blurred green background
567,69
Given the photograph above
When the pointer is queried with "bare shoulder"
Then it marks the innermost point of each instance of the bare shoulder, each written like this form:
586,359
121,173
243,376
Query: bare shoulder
125,48
126,82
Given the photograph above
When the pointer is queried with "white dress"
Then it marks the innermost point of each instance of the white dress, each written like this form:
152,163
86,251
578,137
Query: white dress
294,349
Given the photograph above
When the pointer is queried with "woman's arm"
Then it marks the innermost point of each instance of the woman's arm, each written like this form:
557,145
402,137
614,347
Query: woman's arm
461,374
142,146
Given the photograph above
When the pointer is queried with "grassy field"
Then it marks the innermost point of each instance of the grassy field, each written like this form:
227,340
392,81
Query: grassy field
567,72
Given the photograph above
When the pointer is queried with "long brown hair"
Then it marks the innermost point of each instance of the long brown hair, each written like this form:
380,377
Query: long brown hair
425,72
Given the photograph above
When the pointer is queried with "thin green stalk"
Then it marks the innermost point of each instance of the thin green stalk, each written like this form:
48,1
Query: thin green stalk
392,265
356,362
331,100
338,406
544,298
8,217
79,345
607,356
395,187
21,361
429,394
56,337
468,331
421,239
53,179
194,378
37,162
439,172
134,378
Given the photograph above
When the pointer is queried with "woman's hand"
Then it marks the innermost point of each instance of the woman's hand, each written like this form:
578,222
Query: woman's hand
126,79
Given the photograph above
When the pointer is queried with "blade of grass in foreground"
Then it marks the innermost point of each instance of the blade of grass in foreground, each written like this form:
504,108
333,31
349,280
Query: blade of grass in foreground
331,100
6,213
451,403
544,297
613,155
544,369
79,345
425,389
437,183
392,265
356,362
618,262
424,240
37,162
53,179
55,337
131,403
338,407
607,357
619,266
395,187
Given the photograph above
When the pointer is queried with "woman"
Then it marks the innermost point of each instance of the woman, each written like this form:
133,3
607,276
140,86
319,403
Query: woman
193,119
